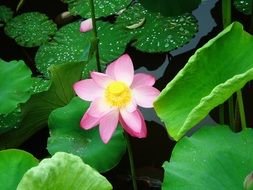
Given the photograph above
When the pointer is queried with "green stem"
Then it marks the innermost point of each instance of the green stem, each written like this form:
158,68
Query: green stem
221,114
93,17
241,110
226,13
231,111
131,160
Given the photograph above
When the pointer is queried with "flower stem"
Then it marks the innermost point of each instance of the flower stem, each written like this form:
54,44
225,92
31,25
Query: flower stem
241,110
226,13
93,17
131,160
231,111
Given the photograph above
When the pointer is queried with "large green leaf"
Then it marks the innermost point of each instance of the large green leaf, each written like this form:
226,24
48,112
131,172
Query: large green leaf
5,14
102,8
244,6
13,165
155,33
63,172
13,120
213,158
30,29
171,7
211,76
67,135
38,108
68,45
15,84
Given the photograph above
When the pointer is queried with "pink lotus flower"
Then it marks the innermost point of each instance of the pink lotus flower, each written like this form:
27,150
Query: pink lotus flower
86,25
115,96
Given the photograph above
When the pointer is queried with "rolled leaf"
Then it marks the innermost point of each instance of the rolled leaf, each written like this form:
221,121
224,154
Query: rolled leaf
217,70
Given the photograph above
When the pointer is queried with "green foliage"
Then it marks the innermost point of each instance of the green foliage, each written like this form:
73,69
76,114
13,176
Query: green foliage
13,165
15,84
40,85
67,135
10,121
171,7
30,29
102,8
213,158
63,171
211,76
112,41
68,45
244,6
37,109
5,14
156,33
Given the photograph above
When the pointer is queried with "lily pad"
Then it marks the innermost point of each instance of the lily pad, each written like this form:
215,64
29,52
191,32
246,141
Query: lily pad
30,29
68,45
209,78
244,6
67,135
40,85
15,84
10,121
171,7
36,110
13,165
112,41
213,158
5,14
102,8
63,171
156,32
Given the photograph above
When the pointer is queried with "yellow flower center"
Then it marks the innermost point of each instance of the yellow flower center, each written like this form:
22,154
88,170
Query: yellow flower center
117,94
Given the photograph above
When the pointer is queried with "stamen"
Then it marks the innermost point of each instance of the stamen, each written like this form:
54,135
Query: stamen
118,94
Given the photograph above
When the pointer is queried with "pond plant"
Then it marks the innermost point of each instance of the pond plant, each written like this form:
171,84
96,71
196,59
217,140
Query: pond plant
81,86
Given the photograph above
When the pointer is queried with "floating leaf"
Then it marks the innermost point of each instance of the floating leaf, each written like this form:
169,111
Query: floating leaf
213,158
63,171
244,6
171,7
102,8
67,135
158,33
10,121
210,77
40,85
15,84
5,14
112,41
13,165
38,108
68,45
30,29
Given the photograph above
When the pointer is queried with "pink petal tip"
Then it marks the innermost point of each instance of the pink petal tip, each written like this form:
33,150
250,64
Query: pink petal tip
86,25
